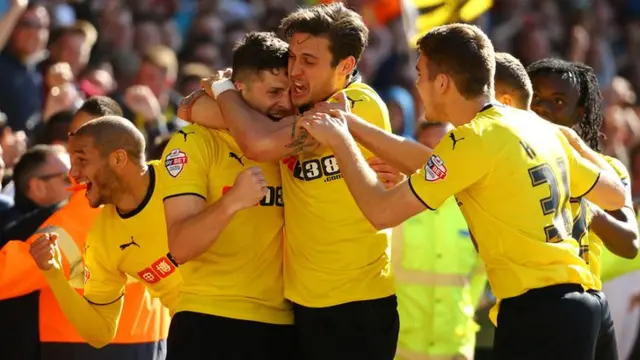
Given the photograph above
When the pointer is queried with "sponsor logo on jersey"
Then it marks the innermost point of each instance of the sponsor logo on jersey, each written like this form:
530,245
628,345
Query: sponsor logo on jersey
435,169
157,271
87,274
175,161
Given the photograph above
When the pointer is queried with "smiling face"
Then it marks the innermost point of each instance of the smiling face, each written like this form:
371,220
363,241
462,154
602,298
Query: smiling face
313,77
89,167
430,87
268,92
556,99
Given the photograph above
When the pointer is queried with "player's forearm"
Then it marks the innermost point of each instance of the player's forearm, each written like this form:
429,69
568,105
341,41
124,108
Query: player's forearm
204,111
404,154
608,192
192,236
96,324
619,236
362,182
252,130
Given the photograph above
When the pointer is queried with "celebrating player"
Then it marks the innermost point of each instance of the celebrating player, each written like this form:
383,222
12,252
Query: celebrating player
224,216
512,174
127,239
336,266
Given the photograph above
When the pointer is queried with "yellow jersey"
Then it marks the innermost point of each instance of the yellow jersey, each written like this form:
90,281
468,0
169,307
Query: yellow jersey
125,245
333,254
240,275
595,244
513,180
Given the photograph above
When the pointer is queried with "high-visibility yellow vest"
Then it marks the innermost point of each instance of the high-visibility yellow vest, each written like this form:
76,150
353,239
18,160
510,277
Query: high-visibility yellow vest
440,279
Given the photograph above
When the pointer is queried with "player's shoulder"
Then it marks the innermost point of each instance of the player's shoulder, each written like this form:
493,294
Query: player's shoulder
618,166
362,96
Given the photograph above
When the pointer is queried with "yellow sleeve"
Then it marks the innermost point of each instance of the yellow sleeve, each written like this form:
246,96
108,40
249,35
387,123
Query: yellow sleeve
96,315
368,105
454,166
583,174
187,160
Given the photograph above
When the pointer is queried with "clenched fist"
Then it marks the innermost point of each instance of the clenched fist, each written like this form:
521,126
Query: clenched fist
249,188
206,83
45,251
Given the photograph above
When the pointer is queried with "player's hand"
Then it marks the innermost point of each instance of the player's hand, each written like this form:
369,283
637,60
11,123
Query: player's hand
186,104
249,188
389,176
325,128
45,251
141,100
572,136
206,83
340,102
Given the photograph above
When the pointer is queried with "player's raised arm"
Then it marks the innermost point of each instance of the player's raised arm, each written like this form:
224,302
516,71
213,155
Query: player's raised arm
193,226
96,315
426,189
200,108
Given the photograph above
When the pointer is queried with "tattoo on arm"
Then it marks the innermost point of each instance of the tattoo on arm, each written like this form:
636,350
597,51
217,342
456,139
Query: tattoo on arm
300,139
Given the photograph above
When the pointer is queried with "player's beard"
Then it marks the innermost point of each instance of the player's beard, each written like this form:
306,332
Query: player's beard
109,186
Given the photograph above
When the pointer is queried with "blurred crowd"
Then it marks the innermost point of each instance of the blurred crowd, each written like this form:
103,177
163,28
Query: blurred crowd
149,54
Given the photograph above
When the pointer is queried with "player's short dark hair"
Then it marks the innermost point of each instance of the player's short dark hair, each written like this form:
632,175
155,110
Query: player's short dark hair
584,80
259,51
463,52
111,133
30,164
101,106
512,74
343,27
57,128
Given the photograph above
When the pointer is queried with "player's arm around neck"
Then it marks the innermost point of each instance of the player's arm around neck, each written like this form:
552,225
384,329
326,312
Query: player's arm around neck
384,209
403,154
96,323
260,138
193,226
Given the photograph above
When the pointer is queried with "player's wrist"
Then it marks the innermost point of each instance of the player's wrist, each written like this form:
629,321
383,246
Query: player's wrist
221,86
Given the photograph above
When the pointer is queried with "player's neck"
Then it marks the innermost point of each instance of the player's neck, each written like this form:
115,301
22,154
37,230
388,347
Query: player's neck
134,190
464,110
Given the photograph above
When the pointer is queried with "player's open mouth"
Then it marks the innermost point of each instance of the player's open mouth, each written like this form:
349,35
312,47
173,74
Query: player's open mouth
298,89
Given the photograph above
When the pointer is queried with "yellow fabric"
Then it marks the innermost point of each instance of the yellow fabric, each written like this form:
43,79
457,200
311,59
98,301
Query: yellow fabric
513,187
240,275
436,319
604,263
432,13
96,324
136,246
333,254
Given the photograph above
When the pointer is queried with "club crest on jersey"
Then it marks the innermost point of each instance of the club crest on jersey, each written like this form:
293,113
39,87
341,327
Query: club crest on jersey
435,170
175,161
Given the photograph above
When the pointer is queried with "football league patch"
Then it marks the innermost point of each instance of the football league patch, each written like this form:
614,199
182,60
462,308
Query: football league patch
435,170
175,162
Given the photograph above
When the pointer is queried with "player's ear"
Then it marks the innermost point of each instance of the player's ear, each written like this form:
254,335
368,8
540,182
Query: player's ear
506,100
345,66
443,82
581,112
118,158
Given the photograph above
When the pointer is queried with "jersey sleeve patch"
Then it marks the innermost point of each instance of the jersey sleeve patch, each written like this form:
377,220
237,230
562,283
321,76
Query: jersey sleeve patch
175,161
435,169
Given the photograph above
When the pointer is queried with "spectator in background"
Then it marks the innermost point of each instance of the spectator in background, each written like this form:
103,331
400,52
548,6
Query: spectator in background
401,111
72,45
190,76
56,130
21,83
41,187
5,201
13,143
152,103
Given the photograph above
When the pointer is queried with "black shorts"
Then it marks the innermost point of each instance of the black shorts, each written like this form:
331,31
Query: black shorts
195,336
366,330
559,322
